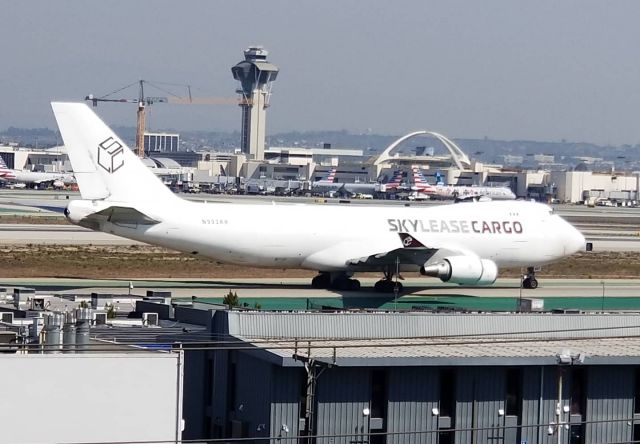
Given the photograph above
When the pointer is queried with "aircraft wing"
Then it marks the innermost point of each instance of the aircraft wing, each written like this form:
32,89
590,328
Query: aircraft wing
41,205
409,251
344,191
473,198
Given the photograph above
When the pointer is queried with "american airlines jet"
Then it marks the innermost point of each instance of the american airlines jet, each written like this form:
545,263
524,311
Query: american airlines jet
329,185
457,192
33,177
463,244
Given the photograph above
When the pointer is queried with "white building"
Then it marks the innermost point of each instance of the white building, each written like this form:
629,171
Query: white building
161,142
577,186
94,397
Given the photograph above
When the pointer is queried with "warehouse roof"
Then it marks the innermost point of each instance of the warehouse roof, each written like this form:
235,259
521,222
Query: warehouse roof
451,351
400,339
390,325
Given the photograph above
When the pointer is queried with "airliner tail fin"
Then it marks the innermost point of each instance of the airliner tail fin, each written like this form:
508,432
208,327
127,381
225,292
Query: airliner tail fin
104,166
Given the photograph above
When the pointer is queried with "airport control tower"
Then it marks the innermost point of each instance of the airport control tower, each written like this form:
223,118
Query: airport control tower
255,75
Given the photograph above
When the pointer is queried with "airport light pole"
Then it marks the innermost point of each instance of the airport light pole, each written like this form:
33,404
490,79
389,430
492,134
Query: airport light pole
520,291
602,283
395,287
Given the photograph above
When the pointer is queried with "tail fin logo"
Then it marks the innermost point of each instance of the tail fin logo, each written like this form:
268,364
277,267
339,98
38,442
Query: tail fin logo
410,242
110,155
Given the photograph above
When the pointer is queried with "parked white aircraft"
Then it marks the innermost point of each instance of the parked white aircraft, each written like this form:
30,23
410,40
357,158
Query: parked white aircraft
347,189
34,177
456,192
463,244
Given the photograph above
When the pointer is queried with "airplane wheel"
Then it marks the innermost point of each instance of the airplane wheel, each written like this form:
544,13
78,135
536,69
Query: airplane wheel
346,284
321,281
387,286
533,283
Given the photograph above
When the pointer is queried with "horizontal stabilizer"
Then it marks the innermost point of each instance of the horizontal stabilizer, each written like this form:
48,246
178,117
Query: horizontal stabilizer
46,207
123,216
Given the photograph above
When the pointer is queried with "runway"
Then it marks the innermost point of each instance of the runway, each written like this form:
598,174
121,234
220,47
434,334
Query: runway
51,234
290,294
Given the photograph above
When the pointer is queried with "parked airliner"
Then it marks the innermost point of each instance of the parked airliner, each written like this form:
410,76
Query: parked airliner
329,185
36,178
457,192
464,244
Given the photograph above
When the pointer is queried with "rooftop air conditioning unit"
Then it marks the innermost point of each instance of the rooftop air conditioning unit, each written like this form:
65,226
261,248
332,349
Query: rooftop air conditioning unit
37,304
149,319
100,318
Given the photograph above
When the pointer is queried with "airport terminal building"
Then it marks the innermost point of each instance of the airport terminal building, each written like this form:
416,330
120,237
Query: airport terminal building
294,167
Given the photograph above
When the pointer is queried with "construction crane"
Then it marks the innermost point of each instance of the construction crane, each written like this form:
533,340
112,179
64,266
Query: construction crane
143,101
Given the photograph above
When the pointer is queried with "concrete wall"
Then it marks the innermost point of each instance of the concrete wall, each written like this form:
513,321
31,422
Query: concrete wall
91,398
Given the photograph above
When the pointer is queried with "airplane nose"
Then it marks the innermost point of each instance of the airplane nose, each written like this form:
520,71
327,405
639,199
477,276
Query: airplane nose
575,241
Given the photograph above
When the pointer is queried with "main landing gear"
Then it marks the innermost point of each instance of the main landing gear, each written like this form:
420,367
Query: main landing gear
387,284
529,280
344,281
335,281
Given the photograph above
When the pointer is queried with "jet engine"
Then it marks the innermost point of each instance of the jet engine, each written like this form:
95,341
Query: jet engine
464,270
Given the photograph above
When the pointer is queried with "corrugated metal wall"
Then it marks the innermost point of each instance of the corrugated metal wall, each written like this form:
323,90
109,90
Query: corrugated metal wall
253,394
285,401
539,398
481,395
489,400
342,395
530,404
539,404
270,395
465,395
394,325
195,406
413,393
610,397
220,389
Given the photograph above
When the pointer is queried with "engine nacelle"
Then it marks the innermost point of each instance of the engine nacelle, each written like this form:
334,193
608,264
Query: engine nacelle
464,270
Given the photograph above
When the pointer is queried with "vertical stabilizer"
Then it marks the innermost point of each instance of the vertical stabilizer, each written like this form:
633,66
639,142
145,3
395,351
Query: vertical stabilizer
420,182
5,171
329,178
104,166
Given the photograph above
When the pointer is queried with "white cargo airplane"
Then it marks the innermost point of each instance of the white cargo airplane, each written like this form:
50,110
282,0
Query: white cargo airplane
58,180
463,244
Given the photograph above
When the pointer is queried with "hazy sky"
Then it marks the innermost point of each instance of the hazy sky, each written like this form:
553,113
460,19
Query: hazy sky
540,70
